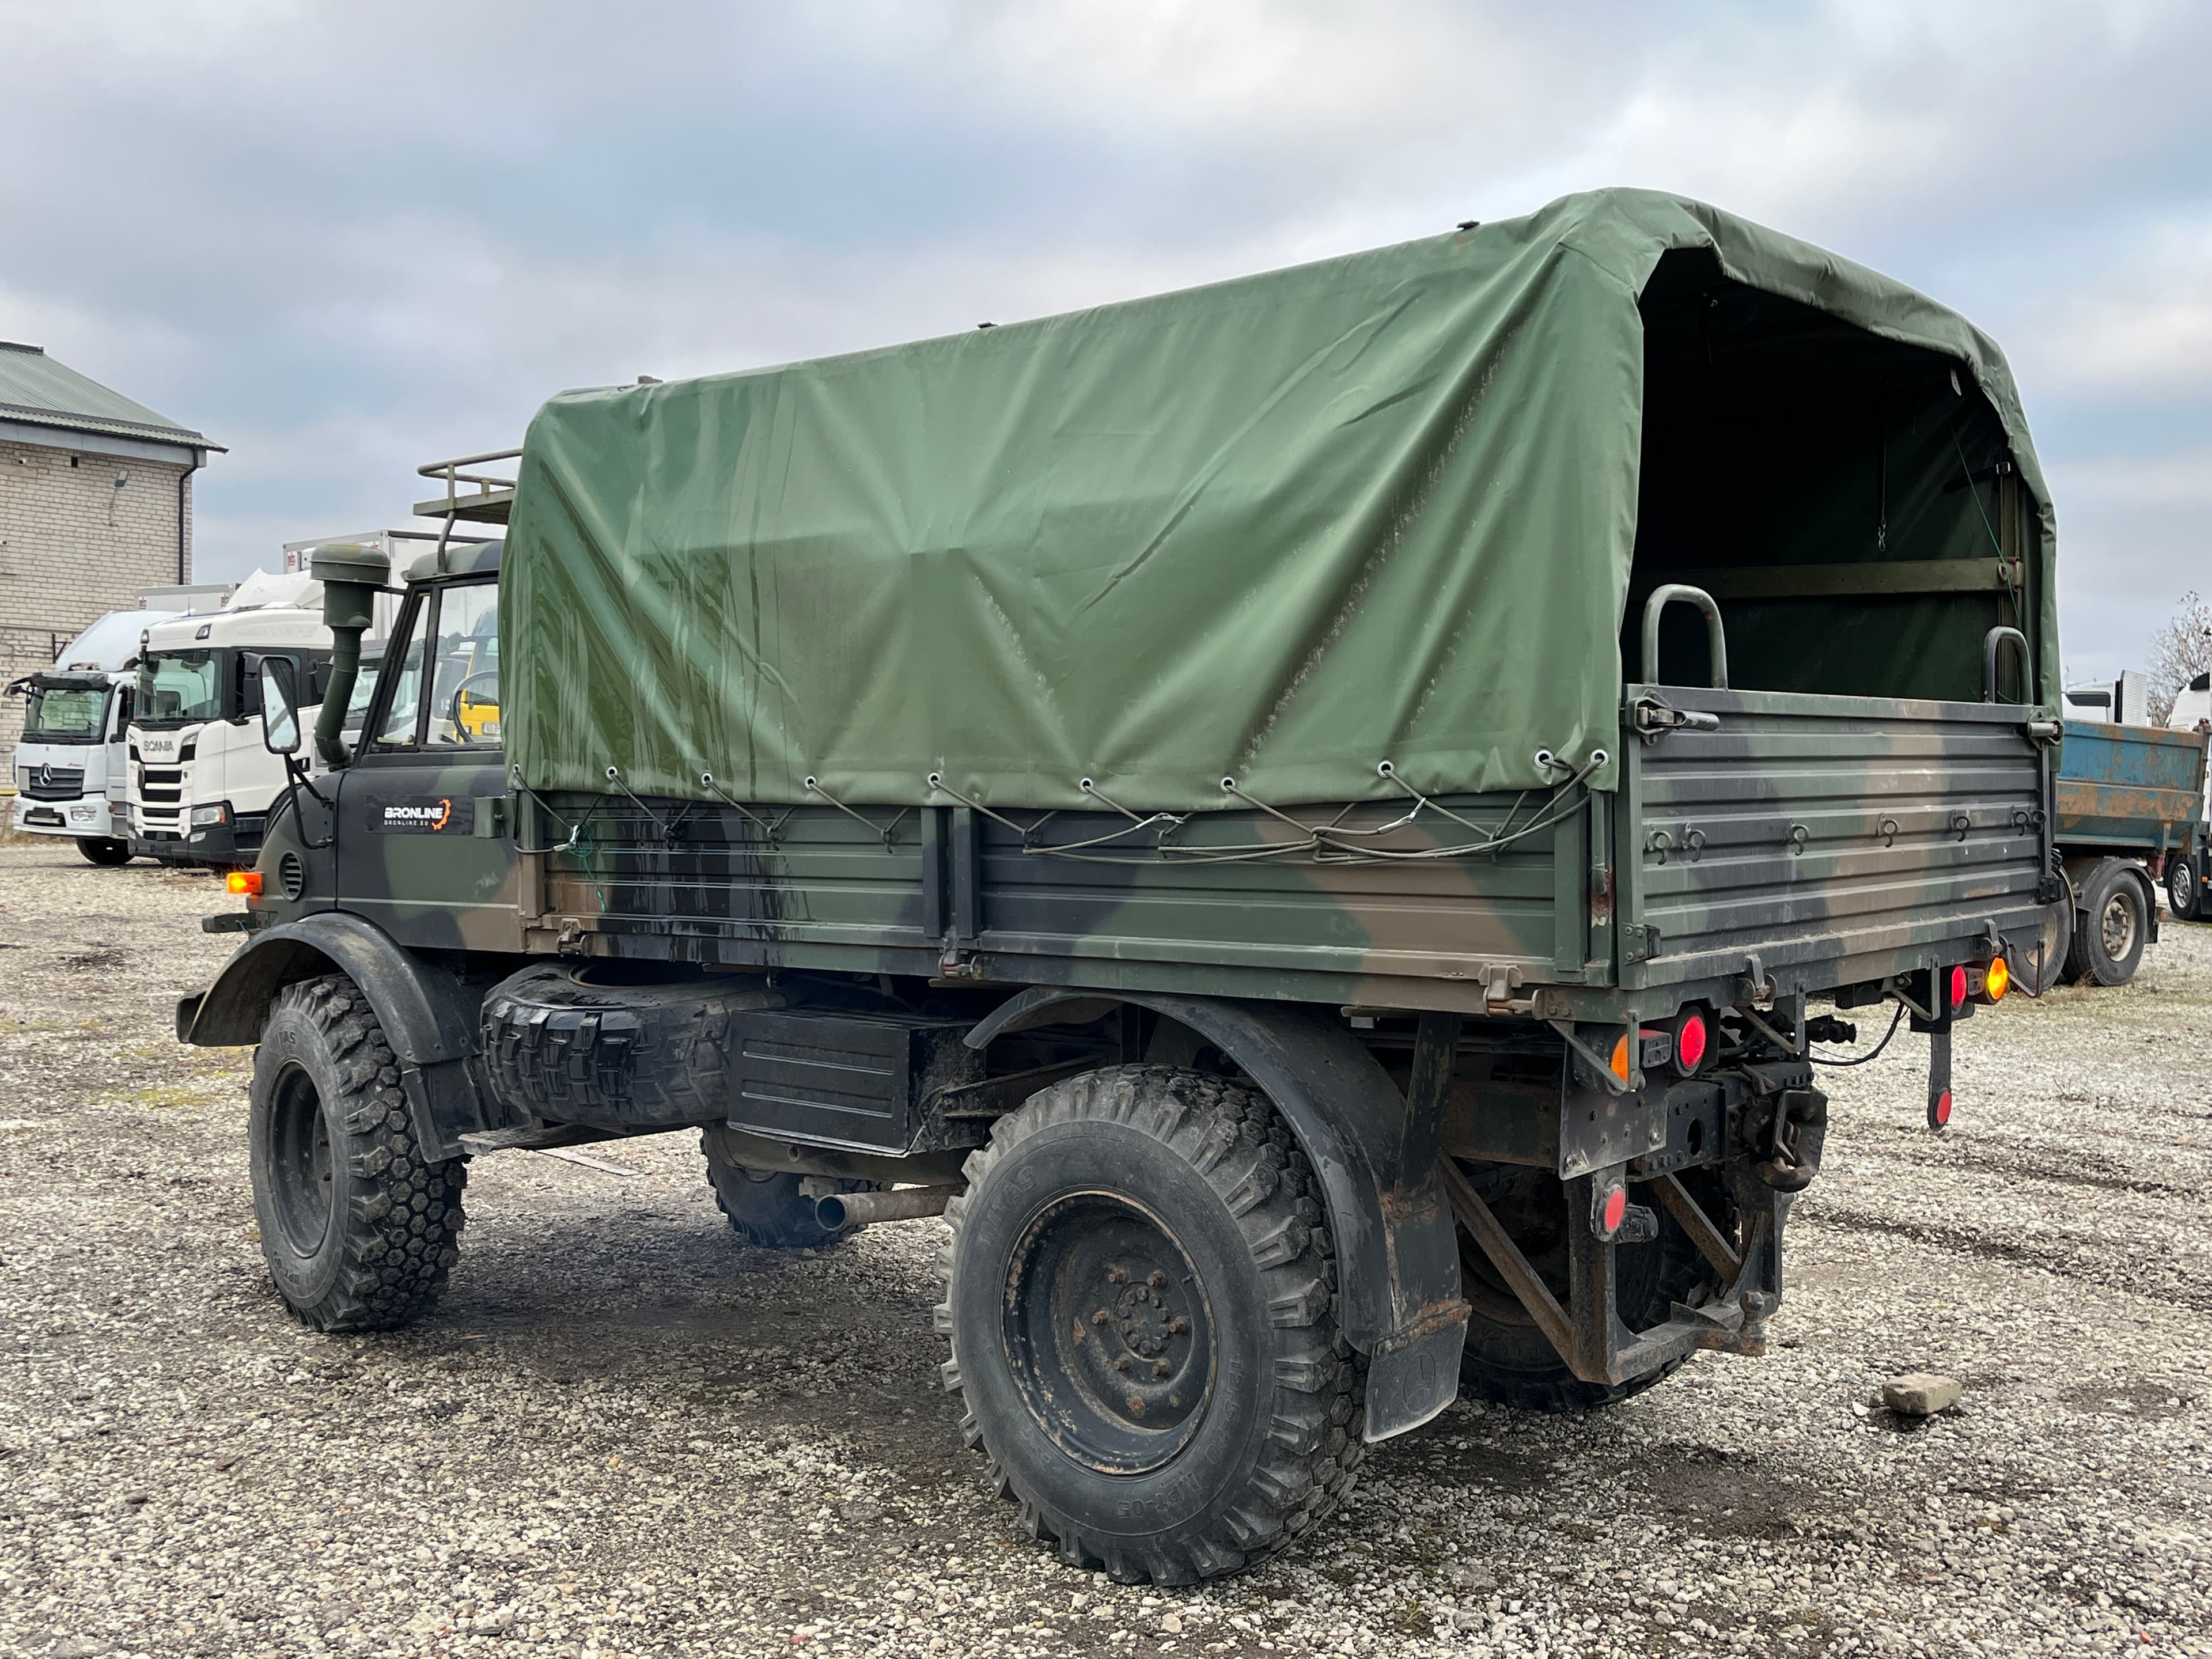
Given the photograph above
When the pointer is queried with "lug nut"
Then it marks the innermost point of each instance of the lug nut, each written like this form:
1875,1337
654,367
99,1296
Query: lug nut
1122,1364
1178,1326
1102,1317
1161,1368
1157,1280
1117,1275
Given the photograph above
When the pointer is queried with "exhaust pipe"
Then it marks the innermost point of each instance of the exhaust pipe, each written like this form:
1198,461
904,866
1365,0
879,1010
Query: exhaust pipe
350,573
842,1210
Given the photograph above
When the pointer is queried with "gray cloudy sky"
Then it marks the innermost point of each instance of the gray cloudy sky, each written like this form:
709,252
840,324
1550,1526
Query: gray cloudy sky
345,240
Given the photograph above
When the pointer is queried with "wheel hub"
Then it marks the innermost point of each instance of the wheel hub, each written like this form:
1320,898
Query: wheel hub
1108,1332
2119,927
301,1162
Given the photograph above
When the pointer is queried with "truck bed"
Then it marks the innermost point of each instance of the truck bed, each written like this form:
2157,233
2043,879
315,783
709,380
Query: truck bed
1825,840
2132,789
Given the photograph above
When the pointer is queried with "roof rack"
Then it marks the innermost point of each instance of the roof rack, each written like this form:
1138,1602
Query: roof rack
486,499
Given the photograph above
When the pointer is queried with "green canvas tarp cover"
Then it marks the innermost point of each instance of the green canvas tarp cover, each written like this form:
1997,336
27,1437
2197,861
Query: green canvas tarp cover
1278,530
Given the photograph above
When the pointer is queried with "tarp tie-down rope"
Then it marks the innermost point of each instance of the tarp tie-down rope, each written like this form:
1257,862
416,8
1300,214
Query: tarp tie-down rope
1333,842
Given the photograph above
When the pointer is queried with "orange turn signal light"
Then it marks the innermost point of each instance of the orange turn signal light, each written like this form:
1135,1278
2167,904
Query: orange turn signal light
1621,1058
1997,981
247,882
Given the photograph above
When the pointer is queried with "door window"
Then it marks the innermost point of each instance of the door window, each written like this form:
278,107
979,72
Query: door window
402,717
445,690
465,693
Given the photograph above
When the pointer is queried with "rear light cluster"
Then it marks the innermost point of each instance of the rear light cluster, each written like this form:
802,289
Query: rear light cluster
1684,1042
1976,982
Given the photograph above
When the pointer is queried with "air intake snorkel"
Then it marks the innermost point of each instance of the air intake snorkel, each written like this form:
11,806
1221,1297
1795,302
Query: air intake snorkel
351,574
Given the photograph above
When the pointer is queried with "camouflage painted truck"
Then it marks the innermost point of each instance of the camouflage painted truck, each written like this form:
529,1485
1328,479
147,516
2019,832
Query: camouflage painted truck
1321,821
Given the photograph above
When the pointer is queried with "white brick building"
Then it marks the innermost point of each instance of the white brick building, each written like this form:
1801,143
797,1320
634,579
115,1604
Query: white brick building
95,503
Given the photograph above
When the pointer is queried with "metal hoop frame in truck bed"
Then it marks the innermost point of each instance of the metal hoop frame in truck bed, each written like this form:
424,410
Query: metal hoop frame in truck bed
1161,788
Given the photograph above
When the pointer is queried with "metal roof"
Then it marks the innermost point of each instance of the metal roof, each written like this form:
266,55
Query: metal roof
37,389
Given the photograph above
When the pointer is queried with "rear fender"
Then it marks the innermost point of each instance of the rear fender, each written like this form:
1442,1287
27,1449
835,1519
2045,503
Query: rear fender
1396,1241
428,1016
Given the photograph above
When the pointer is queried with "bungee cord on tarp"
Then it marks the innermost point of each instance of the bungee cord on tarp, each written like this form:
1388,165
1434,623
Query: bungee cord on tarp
1333,842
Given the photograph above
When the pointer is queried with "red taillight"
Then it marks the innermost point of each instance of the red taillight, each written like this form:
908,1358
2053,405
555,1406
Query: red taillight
1959,987
1615,1211
1939,1114
1692,1039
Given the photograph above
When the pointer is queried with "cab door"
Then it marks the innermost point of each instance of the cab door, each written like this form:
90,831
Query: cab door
115,756
426,842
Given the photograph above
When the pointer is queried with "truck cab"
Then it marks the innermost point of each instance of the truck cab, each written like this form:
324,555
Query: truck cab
69,764
71,752
201,782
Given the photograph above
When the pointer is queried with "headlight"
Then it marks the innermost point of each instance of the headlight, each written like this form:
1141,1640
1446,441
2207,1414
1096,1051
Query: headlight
206,815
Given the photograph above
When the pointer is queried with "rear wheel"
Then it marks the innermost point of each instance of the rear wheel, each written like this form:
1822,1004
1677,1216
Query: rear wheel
1508,1358
1140,1297
772,1208
104,850
359,1229
2184,891
2112,926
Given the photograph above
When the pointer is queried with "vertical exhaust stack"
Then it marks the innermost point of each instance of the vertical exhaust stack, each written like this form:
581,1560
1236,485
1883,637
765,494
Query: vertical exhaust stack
351,574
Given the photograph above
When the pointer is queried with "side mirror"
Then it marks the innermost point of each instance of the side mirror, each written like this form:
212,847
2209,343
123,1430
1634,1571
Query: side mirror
280,715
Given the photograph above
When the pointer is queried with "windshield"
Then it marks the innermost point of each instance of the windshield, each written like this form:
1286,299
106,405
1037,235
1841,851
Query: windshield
178,687
65,714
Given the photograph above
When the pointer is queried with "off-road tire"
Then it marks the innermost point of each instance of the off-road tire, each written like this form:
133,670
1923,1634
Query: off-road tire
104,850
615,1055
1510,1361
358,1228
1204,1167
2111,926
770,1208
2184,892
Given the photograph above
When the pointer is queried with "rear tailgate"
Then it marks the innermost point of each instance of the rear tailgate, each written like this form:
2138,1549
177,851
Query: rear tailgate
1840,836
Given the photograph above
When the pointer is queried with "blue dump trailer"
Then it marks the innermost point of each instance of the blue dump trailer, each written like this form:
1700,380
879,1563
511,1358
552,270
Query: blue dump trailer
2130,806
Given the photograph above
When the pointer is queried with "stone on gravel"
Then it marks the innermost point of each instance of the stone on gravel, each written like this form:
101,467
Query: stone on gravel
1921,1393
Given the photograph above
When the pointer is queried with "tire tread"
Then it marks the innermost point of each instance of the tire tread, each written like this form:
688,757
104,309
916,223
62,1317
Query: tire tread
1231,1136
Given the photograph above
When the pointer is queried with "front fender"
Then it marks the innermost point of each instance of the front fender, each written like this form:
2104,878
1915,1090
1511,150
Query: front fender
428,1016
419,1005
1396,1241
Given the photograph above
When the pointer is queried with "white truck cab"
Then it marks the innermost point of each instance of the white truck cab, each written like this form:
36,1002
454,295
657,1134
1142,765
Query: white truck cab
69,765
201,782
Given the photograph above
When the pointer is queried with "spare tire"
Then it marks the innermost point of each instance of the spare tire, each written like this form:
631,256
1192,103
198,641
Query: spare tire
560,1048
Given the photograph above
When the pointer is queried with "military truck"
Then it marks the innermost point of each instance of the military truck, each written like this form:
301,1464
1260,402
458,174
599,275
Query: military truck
1322,821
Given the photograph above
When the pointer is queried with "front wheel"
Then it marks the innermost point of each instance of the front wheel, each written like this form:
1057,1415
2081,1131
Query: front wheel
1140,1297
358,1228
104,850
2184,892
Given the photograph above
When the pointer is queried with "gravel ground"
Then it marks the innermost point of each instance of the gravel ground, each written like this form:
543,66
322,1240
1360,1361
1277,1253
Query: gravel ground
624,1433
